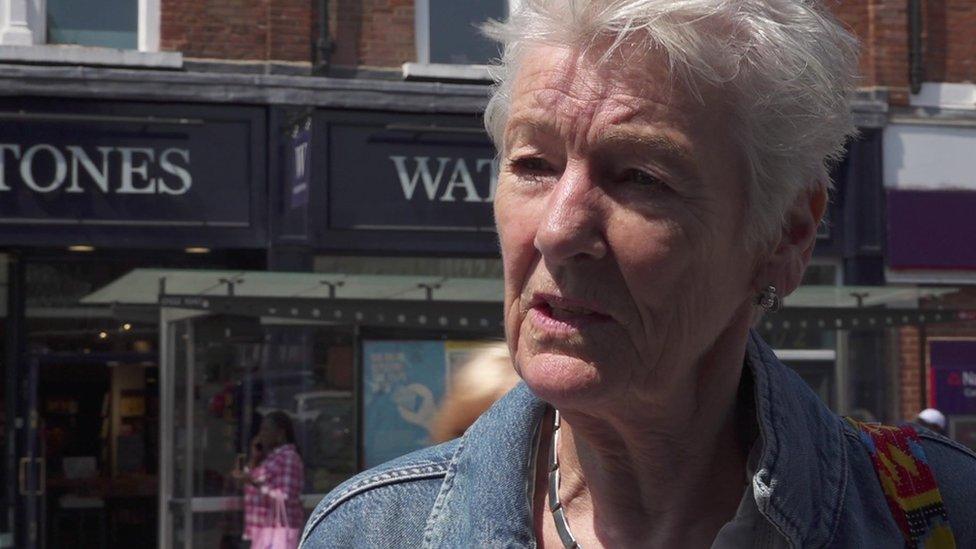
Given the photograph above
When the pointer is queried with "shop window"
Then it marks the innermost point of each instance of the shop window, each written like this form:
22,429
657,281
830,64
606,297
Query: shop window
228,374
447,30
106,23
243,372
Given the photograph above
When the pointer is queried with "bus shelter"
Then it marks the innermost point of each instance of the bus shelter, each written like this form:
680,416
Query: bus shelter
361,362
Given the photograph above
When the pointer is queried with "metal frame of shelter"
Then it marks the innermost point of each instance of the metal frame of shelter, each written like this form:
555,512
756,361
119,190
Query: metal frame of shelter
486,317
473,304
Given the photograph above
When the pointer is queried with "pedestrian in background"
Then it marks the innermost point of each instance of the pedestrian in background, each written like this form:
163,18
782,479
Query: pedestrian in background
273,482
475,386
930,418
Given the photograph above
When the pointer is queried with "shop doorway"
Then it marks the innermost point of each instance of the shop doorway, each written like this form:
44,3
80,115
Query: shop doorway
8,453
80,412
97,437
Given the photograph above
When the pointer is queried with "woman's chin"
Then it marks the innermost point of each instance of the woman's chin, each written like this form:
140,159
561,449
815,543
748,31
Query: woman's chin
561,380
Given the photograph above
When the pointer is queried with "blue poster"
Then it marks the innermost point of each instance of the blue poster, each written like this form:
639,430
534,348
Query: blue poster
403,384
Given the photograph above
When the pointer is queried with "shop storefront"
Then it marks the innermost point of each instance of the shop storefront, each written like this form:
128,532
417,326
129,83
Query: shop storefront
931,196
382,197
90,190
216,173
394,211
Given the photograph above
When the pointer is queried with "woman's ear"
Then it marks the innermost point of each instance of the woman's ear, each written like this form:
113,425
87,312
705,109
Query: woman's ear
784,267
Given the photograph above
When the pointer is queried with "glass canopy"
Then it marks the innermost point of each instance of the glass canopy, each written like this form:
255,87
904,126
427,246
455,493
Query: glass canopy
145,286
473,304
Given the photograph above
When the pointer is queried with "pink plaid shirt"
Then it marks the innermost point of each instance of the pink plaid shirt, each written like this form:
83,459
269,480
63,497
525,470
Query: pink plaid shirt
280,477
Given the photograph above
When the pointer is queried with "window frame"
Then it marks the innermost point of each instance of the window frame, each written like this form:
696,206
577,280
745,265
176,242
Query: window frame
423,69
23,37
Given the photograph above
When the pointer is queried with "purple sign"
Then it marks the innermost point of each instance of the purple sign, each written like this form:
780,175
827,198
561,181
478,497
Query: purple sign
301,164
931,229
952,377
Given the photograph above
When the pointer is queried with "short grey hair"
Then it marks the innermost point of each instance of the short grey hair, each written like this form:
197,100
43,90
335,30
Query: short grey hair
788,67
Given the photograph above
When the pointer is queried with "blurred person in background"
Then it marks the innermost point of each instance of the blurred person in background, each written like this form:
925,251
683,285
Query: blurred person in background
930,418
475,386
273,480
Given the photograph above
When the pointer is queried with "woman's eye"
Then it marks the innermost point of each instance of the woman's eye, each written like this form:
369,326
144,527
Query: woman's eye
532,164
641,179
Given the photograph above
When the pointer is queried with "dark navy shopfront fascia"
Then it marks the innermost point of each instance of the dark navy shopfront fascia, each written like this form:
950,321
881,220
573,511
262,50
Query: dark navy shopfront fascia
123,174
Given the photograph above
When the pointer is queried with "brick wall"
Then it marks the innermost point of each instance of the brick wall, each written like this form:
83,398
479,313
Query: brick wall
372,33
882,27
911,348
292,30
377,33
380,33
950,40
857,17
255,30
910,397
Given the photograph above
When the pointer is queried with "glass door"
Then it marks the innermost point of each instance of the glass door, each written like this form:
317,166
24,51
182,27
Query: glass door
22,473
31,469
223,375
175,341
8,411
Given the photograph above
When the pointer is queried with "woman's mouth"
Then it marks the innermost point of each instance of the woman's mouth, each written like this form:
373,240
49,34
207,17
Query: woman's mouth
562,316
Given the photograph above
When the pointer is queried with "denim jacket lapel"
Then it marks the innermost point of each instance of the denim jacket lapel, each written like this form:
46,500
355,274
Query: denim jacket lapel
485,500
800,480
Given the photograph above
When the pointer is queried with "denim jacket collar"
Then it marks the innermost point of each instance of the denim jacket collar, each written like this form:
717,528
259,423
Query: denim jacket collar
798,484
491,476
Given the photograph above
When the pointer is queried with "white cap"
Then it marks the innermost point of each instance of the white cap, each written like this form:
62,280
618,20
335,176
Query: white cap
933,416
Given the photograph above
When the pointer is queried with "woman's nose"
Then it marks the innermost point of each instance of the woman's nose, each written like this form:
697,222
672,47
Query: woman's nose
571,228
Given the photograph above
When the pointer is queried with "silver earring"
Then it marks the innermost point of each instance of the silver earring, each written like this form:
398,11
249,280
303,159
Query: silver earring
768,299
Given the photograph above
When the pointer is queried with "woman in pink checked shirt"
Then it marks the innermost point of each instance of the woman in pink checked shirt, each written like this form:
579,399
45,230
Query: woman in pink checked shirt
273,480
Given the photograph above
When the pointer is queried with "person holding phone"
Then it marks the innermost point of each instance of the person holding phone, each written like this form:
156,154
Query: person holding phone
273,479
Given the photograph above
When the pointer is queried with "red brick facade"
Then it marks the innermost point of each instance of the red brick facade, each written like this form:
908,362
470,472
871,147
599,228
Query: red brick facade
239,30
911,399
950,41
912,344
374,33
380,34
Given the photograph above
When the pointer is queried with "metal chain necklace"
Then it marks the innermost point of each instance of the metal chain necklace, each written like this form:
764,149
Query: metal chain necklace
558,514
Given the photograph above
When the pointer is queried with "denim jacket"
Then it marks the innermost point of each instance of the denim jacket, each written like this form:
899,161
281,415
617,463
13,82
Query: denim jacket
813,485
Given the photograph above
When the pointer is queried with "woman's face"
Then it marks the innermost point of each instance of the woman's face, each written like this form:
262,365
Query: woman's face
620,211
271,434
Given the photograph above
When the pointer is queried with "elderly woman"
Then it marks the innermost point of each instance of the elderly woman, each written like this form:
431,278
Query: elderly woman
664,169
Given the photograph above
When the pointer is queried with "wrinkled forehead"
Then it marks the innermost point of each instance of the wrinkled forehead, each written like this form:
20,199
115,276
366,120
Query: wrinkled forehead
631,86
